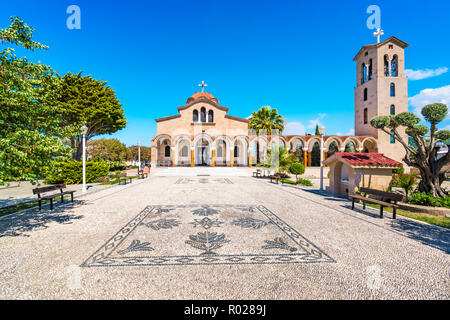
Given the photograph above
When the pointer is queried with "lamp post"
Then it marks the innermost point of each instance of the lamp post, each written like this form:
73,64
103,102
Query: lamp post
321,133
84,130
139,155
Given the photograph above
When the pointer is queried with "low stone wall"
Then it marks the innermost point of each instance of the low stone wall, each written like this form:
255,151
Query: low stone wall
437,211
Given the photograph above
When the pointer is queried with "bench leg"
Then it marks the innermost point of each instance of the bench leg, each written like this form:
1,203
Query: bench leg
71,196
40,205
364,205
381,212
62,198
395,213
353,203
51,204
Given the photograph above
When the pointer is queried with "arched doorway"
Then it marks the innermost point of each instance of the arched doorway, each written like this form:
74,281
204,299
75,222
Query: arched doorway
202,153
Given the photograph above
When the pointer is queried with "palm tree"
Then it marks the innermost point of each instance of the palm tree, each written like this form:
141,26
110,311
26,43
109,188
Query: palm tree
267,119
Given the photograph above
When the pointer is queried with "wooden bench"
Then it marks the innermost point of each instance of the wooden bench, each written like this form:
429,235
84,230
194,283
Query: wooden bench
389,199
278,176
257,173
50,197
123,178
142,174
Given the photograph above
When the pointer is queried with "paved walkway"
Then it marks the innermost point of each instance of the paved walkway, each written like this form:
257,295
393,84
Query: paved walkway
216,238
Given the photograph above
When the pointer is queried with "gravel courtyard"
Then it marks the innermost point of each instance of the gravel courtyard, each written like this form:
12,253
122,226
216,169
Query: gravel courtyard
169,237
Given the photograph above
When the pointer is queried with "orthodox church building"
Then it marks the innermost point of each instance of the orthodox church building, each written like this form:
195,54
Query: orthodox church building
202,133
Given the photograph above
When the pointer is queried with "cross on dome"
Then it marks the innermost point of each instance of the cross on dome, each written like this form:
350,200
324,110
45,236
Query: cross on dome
203,85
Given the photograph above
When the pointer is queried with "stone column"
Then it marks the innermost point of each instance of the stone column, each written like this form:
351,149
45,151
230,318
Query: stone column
192,157
305,157
309,158
213,160
231,158
250,159
390,66
173,156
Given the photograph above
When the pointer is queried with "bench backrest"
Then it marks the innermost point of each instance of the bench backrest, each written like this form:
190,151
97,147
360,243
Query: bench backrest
384,194
122,174
49,188
146,170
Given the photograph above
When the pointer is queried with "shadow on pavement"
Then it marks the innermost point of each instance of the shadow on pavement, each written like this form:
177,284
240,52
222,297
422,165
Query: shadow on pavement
18,224
438,238
429,235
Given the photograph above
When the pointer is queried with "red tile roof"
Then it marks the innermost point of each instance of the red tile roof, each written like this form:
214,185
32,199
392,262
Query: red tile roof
368,159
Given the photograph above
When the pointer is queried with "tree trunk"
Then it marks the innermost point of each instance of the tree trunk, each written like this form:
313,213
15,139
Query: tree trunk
431,183
77,144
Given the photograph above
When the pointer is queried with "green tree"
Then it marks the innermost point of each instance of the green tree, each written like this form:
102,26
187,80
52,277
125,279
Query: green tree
263,121
31,132
424,155
282,158
406,182
266,119
90,102
317,130
146,153
297,169
107,150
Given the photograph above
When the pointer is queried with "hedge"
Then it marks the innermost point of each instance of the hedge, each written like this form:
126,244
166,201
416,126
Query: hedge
70,172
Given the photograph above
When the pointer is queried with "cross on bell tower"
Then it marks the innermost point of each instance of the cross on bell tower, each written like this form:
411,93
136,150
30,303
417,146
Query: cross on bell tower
203,85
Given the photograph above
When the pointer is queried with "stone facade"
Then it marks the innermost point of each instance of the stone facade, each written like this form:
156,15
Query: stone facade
202,133
382,89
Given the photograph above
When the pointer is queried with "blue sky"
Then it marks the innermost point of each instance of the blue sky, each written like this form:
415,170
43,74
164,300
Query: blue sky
295,56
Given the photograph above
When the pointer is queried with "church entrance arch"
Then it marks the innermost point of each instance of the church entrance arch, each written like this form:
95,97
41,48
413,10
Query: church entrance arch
202,151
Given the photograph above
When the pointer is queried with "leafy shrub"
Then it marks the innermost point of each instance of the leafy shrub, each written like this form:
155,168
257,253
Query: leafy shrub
296,169
305,182
71,172
398,170
427,199
405,181
114,166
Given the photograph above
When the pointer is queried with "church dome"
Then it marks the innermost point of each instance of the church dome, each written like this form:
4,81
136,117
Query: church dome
202,95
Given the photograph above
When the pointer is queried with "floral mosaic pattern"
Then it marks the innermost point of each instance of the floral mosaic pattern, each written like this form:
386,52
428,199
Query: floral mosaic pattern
170,235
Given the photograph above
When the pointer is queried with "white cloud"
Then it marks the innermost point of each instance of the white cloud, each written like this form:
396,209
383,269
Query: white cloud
350,132
428,96
424,73
312,123
292,128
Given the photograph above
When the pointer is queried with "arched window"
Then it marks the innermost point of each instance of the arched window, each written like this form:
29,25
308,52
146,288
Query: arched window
394,66
392,110
184,151
195,116
167,151
392,138
365,94
386,66
350,147
210,116
363,73
392,90
370,70
203,114
219,151
365,116
236,151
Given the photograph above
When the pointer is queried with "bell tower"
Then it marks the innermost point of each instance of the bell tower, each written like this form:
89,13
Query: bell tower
381,89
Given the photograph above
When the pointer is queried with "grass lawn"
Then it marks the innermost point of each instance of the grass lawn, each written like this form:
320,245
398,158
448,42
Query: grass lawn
429,218
26,205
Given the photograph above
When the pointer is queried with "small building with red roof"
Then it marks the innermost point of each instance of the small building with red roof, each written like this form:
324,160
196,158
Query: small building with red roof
349,171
